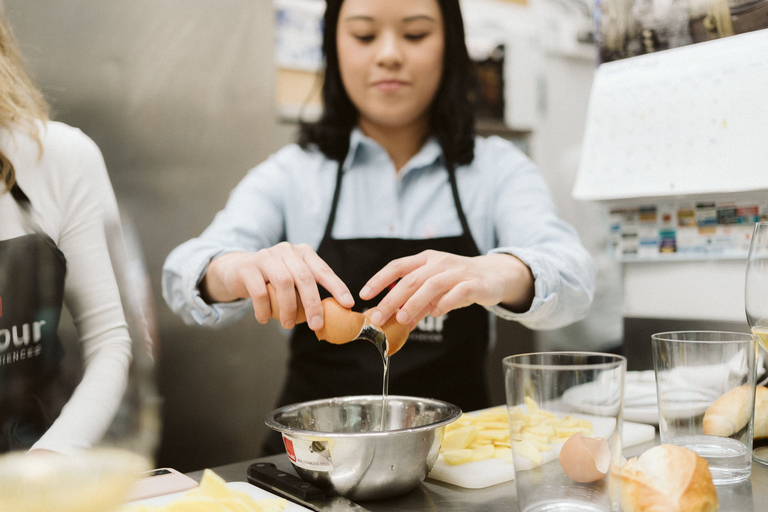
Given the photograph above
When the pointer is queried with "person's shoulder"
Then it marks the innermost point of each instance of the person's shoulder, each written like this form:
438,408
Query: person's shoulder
64,143
295,153
494,153
293,158
61,134
73,162
494,146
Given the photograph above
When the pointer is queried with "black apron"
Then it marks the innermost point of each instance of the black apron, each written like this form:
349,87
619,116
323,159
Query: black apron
444,357
32,270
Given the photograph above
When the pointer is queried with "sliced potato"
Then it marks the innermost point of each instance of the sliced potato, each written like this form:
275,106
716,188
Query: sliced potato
503,453
459,439
483,452
528,450
501,430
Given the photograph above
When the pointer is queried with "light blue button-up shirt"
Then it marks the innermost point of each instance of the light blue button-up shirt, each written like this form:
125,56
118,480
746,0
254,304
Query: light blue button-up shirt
288,198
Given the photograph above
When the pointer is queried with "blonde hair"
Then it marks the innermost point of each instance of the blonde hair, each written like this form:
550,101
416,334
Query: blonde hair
21,103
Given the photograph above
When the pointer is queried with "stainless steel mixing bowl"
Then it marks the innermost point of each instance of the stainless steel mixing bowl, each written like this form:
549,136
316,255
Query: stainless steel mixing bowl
339,446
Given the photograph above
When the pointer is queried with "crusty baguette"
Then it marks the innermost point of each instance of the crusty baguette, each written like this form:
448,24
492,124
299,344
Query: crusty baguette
667,478
730,413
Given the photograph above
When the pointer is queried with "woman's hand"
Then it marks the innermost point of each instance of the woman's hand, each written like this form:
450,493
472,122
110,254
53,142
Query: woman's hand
435,283
290,268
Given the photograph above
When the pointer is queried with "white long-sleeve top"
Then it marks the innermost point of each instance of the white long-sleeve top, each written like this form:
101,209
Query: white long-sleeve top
288,197
73,202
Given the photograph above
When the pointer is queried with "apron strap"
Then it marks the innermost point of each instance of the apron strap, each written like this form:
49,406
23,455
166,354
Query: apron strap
335,202
457,201
20,197
26,210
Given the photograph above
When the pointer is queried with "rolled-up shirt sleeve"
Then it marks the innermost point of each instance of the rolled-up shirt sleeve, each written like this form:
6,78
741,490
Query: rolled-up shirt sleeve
251,220
183,270
529,228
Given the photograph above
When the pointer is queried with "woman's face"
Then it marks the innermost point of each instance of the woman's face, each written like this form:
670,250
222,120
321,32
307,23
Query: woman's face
391,59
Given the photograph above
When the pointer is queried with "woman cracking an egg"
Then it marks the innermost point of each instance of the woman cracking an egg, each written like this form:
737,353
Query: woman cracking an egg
392,206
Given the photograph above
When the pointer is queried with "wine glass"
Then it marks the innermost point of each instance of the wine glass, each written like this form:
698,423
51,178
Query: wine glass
756,299
94,466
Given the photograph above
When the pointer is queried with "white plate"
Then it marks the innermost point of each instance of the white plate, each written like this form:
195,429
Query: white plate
254,492
648,414
644,411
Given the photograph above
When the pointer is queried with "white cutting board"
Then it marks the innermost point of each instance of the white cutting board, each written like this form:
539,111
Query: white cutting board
254,492
484,473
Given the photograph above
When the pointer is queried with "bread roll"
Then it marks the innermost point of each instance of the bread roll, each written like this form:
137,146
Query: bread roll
667,478
730,413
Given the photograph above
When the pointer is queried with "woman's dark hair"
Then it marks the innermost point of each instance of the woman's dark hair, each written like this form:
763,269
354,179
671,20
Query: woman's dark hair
452,115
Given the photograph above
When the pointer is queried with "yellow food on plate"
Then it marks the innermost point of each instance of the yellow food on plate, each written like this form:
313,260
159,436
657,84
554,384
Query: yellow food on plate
213,495
486,451
454,457
459,438
496,433
527,449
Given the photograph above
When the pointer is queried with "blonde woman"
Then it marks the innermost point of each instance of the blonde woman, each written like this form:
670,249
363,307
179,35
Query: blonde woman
55,201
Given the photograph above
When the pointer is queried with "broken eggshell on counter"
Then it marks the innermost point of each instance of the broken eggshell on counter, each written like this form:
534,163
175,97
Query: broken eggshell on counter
585,459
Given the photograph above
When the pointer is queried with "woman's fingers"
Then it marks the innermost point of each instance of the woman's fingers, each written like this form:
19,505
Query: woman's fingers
410,274
273,265
309,270
257,290
295,271
390,273
330,281
435,283
430,282
425,289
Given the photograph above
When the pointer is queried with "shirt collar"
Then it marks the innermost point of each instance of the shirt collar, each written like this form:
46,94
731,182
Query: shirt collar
361,147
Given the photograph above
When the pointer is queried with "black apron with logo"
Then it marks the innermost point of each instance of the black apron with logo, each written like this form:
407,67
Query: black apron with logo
444,357
32,270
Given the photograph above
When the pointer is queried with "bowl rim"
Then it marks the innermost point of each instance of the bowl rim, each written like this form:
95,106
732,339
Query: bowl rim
454,412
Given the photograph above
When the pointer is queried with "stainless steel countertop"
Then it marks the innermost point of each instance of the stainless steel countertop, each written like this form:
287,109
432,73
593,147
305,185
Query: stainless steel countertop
438,496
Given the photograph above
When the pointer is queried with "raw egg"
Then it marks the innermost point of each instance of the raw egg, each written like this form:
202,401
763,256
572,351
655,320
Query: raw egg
585,459
342,325
395,332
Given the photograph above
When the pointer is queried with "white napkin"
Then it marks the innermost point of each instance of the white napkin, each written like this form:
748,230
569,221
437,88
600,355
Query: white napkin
693,383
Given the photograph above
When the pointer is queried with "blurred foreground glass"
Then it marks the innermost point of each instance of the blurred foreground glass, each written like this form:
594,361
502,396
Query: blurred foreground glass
705,382
756,299
95,477
552,397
